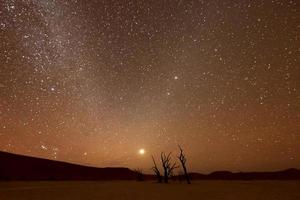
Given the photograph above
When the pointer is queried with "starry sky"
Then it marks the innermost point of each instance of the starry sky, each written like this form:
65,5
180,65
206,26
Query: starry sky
92,82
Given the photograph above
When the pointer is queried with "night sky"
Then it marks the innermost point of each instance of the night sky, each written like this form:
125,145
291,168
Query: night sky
93,82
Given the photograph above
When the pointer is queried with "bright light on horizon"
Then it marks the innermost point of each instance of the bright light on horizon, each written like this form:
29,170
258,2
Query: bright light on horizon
142,151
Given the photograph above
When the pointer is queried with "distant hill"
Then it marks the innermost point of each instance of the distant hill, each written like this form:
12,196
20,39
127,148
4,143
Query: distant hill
289,174
19,167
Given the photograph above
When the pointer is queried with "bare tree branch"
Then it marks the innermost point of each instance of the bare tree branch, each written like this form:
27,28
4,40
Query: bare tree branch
167,166
156,171
182,160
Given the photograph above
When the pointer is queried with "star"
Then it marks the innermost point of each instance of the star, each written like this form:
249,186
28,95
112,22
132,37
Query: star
102,79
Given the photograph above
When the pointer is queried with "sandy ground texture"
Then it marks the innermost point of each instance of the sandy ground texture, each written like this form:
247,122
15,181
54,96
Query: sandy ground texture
131,190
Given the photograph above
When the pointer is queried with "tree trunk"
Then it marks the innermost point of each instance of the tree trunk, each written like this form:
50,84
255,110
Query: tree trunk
187,177
166,178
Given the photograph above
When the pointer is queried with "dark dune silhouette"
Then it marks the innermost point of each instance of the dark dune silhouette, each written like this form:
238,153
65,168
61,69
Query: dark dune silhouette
20,167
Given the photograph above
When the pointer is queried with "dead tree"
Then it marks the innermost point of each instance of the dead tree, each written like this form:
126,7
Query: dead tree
182,160
156,171
167,166
139,174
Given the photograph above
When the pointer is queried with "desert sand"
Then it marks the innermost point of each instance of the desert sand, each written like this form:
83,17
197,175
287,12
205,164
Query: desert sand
132,190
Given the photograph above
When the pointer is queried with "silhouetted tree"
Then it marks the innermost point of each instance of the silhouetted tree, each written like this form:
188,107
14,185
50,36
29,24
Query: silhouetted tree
156,171
139,174
182,159
167,166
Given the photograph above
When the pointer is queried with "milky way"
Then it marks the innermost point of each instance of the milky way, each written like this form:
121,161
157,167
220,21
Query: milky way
92,82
